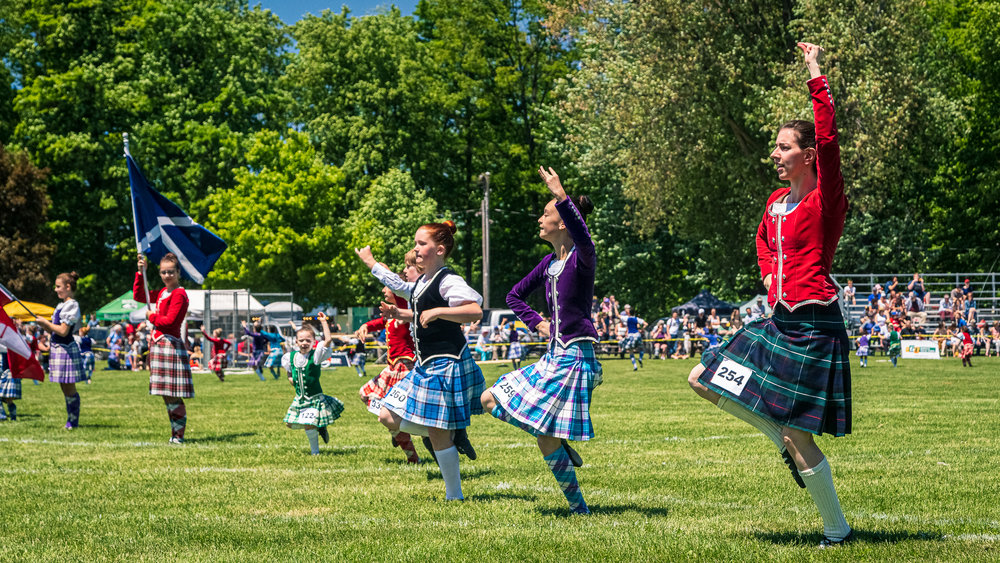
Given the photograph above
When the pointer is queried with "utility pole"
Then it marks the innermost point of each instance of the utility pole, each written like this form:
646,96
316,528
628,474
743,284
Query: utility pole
485,212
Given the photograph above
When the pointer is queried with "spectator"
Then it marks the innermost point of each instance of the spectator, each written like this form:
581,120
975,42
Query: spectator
749,317
701,320
93,321
658,335
849,292
892,286
674,326
915,308
916,286
946,308
759,310
714,322
874,296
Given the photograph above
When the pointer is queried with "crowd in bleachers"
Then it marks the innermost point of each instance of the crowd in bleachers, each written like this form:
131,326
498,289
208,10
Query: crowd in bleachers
915,313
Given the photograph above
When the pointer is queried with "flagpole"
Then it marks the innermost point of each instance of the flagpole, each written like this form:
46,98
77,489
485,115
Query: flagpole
11,293
135,226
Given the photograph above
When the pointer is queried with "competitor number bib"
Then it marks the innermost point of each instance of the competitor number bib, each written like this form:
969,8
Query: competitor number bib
375,406
732,377
395,399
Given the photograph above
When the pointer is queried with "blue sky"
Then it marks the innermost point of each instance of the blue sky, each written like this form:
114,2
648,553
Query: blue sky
290,11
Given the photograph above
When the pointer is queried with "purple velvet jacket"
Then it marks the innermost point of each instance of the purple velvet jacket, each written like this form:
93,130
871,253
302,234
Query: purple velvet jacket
568,293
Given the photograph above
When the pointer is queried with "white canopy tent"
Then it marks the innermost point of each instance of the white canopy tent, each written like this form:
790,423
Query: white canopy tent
236,303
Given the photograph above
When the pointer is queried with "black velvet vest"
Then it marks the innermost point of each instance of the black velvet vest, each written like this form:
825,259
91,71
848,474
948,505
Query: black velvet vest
441,338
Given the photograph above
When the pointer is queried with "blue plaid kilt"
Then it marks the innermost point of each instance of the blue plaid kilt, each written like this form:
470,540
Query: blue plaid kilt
515,351
552,396
632,341
273,358
66,364
10,388
444,393
170,369
799,366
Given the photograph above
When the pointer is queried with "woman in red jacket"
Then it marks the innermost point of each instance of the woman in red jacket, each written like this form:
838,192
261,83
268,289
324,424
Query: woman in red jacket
169,367
789,375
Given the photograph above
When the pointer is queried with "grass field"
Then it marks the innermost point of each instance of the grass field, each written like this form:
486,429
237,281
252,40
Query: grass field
668,477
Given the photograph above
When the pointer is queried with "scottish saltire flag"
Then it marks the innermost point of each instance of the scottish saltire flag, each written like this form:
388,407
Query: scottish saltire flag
162,227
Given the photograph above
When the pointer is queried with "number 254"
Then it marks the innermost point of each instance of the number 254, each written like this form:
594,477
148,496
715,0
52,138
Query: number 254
730,375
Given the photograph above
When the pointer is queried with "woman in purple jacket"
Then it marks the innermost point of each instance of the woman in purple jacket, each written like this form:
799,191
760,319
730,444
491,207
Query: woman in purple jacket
550,399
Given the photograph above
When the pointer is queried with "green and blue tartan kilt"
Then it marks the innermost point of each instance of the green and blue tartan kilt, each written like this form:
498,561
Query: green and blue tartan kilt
319,410
800,369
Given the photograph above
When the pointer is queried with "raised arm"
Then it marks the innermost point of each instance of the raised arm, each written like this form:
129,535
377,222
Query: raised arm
828,175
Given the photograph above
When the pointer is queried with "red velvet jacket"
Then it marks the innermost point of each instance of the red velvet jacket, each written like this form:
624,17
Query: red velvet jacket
796,248
170,309
397,335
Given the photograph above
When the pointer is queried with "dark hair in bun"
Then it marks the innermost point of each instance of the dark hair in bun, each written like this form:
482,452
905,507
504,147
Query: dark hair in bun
442,233
582,203
69,279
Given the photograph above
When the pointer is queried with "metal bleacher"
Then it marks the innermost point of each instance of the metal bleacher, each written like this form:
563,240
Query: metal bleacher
985,289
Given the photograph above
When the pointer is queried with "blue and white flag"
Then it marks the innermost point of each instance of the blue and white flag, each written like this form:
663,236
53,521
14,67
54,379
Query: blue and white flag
162,227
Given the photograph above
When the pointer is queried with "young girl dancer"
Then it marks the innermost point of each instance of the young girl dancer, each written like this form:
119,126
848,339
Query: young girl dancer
515,351
10,388
863,351
790,375
311,409
218,361
966,347
65,361
261,347
895,345
550,399
633,336
169,367
401,357
273,361
438,397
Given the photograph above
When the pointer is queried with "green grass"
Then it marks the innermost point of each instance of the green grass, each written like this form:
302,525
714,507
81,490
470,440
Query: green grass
668,477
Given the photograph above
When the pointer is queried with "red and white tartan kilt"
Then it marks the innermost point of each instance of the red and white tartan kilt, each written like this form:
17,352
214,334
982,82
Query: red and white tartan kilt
218,362
967,350
381,383
170,369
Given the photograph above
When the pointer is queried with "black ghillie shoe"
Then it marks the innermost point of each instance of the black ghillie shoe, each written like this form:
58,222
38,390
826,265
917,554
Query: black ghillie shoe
395,444
795,470
324,433
574,456
462,444
827,543
429,446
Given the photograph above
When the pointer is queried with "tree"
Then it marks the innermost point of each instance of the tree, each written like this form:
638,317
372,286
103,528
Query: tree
386,219
282,222
188,79
25,251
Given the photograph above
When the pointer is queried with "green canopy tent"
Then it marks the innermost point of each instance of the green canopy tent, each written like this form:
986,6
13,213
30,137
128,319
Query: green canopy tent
119,309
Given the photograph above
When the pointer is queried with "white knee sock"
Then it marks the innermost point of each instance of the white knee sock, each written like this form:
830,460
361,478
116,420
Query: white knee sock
819,483
413,428
769,428
448,462
313,436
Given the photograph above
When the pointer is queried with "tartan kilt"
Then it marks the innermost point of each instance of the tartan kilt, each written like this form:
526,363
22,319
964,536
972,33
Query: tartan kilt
799,369
218,362
273,358
895,350
319,410
66,364
10,388
632,341
381,383
552,396
967,350
257,359
443,393
170,369
515,351
862,351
